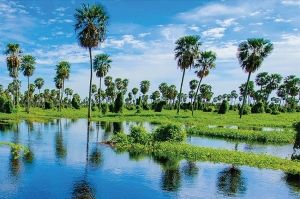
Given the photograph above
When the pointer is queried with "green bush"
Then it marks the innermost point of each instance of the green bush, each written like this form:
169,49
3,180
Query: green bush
208,109
119,102
246,110
120,138
268,110
258,108
8,107
48,105
138,109
104,108
169,132
111,107
158,106
76,101
138,134
224,107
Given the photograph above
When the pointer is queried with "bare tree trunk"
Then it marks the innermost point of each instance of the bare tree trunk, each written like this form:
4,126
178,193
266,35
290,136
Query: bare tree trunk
195,97
245,94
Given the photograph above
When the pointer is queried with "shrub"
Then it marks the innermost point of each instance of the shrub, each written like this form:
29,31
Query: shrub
283,109
76,101
2,101
246,110
8,107
120,138
224,107
258,108
138,134
119,102
48,105
159,106
208,109
104,108
268,110
111,108
274,112
169,132
94,107
146,106
138,109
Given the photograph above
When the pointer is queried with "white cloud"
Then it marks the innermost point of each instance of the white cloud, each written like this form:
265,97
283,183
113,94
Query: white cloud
125,40
172,32
211,10
291,2
144,34
214,32
194,28
278,20
226,22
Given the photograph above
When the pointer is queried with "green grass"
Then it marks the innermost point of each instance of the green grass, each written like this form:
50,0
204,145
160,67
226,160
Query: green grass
194,153
286,136
200,118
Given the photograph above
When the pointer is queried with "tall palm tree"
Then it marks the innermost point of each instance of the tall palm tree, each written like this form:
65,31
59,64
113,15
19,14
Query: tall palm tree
13,60
28,67
251,54
63,72
203,64
91,22
186,52
59,85
101,67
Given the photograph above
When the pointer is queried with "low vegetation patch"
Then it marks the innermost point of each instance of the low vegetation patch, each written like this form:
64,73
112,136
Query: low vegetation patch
287,136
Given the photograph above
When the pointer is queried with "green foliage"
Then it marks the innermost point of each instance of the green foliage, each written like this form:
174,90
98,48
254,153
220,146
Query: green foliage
76,101
169,132
224,107
208,109
120,138
158,106
240,134
138,134
104,108
246,110
138,109
258,108
48,105
119,102
7,107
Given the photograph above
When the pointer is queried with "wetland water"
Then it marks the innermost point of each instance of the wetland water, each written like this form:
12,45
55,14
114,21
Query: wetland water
67,162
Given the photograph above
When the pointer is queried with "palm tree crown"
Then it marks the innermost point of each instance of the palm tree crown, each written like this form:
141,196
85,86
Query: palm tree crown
28,65
91,23
187,50
251,53
101,64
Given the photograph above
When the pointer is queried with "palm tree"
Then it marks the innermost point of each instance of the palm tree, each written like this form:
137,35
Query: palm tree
63,73
251,54
39,83
101,67
58,84
13,60
134,92
91,22
28,67
186,52
203,64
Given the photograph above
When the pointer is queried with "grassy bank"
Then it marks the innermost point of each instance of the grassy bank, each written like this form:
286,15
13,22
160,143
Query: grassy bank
166,116
287,136
194,153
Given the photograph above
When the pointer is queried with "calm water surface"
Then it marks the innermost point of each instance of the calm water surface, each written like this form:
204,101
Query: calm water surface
67,162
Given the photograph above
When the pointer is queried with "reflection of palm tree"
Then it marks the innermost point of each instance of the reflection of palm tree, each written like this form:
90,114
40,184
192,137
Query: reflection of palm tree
82,189
117,127
95,158
60,149
230,182
14,165
29,156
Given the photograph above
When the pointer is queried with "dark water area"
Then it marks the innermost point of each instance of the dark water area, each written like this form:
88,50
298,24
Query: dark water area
67,161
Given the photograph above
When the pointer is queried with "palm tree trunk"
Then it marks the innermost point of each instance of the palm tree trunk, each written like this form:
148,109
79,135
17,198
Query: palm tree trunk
100,95
245,94
62,93
90,88
28,94
195,97
179,100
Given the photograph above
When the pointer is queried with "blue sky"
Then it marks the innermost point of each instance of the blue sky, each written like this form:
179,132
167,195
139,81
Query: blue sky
141,36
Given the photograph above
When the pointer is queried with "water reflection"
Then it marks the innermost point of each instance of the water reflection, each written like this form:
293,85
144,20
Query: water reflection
82,189
230,182
60,147
190,169
296,147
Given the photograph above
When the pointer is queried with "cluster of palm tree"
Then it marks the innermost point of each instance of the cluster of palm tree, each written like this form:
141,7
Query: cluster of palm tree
91,27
